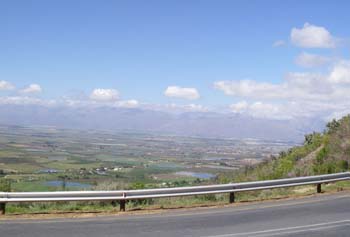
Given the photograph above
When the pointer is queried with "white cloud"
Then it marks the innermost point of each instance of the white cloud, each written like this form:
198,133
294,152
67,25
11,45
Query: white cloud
340,73
31,89
127,104
249,88
298,95
239,107
259,109
291,109
5,85
184,108
311,60
104,95
338,114
311,36
295,86
195,108
25,100
265,110
182,92
95,104
279,43
306,86
73,103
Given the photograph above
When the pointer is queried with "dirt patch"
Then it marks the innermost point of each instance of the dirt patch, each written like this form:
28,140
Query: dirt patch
304,190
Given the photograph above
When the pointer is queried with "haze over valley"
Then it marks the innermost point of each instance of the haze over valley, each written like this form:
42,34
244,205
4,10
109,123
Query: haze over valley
197,124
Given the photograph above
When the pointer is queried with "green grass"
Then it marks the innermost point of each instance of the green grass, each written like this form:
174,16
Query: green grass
62,207
36,186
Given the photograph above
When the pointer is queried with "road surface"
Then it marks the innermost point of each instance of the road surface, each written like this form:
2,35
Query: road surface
323,215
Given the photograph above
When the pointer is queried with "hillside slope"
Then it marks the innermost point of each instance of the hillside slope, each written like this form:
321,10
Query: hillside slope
321,153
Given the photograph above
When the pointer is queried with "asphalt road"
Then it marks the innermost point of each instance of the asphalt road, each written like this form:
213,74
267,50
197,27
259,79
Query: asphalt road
324,215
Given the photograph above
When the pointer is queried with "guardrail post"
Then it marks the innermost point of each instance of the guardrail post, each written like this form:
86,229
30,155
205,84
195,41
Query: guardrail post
232,197
122,205
319,190
2,208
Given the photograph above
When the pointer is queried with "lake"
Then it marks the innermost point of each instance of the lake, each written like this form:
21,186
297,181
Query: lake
59,183
196,175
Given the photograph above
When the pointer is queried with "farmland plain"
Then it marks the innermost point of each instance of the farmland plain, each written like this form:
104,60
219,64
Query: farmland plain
50,159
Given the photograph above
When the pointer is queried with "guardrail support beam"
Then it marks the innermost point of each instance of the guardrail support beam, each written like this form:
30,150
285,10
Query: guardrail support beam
122,205
232,197
319,190
2,208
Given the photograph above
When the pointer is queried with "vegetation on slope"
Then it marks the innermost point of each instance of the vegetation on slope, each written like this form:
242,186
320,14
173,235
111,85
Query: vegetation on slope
321,153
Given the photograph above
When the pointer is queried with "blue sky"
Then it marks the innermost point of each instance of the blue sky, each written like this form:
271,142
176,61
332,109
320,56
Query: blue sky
140,48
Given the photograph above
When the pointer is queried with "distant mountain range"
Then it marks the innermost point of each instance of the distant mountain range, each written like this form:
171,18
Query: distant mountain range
202,124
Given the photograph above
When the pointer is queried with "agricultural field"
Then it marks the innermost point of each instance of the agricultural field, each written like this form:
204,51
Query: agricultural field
50,159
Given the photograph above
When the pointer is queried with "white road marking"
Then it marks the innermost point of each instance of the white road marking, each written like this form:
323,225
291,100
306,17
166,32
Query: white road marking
304,230
296,229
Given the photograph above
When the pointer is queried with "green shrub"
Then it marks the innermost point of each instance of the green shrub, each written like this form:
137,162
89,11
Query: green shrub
5,185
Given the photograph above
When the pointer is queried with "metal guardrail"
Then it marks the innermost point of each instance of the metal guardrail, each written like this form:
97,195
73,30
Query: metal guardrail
123,195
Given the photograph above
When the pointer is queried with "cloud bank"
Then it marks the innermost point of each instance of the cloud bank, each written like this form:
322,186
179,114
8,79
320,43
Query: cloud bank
299,93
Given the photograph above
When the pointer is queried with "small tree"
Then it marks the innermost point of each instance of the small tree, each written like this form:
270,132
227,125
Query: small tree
332,126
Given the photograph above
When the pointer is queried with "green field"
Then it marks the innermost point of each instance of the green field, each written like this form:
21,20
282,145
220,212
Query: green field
32,156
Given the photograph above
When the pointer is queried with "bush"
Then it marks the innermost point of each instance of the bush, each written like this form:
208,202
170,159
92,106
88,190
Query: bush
5,185
344,165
